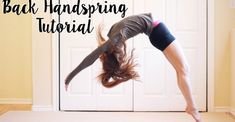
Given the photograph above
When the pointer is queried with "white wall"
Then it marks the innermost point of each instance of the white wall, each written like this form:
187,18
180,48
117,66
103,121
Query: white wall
41,63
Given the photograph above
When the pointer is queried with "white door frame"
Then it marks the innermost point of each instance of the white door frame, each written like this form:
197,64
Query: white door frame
210,60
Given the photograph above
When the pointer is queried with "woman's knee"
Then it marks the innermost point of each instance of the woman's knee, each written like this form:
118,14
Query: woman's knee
184,70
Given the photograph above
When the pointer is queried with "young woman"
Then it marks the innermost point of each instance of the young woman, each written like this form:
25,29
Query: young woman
118,66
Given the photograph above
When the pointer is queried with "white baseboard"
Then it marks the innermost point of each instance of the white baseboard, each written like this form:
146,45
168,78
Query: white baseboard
15,101
232,112
222,109
42,108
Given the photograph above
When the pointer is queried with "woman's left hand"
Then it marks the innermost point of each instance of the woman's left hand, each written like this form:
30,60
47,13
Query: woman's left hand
66,88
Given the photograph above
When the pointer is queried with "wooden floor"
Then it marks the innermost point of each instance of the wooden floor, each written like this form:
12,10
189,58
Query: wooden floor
52,116
14,107
224,117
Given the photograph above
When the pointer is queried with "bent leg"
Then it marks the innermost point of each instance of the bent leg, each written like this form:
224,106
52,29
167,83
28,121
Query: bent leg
175,56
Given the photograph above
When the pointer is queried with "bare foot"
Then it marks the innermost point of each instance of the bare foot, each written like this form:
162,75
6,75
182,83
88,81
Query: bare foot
194,113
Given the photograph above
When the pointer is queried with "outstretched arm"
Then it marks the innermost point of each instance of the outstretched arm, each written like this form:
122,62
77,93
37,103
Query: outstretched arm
90,59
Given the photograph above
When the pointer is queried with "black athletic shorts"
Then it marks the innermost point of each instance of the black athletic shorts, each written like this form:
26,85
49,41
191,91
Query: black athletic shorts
161,37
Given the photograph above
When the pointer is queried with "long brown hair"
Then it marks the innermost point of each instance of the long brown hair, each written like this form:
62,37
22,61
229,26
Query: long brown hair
116,64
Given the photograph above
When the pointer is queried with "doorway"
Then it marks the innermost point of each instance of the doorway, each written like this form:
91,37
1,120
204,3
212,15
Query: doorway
157,87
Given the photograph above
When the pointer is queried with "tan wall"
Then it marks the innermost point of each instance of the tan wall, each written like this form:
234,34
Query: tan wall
15,52
224,22
233,72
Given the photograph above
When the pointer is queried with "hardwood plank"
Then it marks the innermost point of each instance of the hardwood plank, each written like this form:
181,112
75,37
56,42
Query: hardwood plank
14,107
